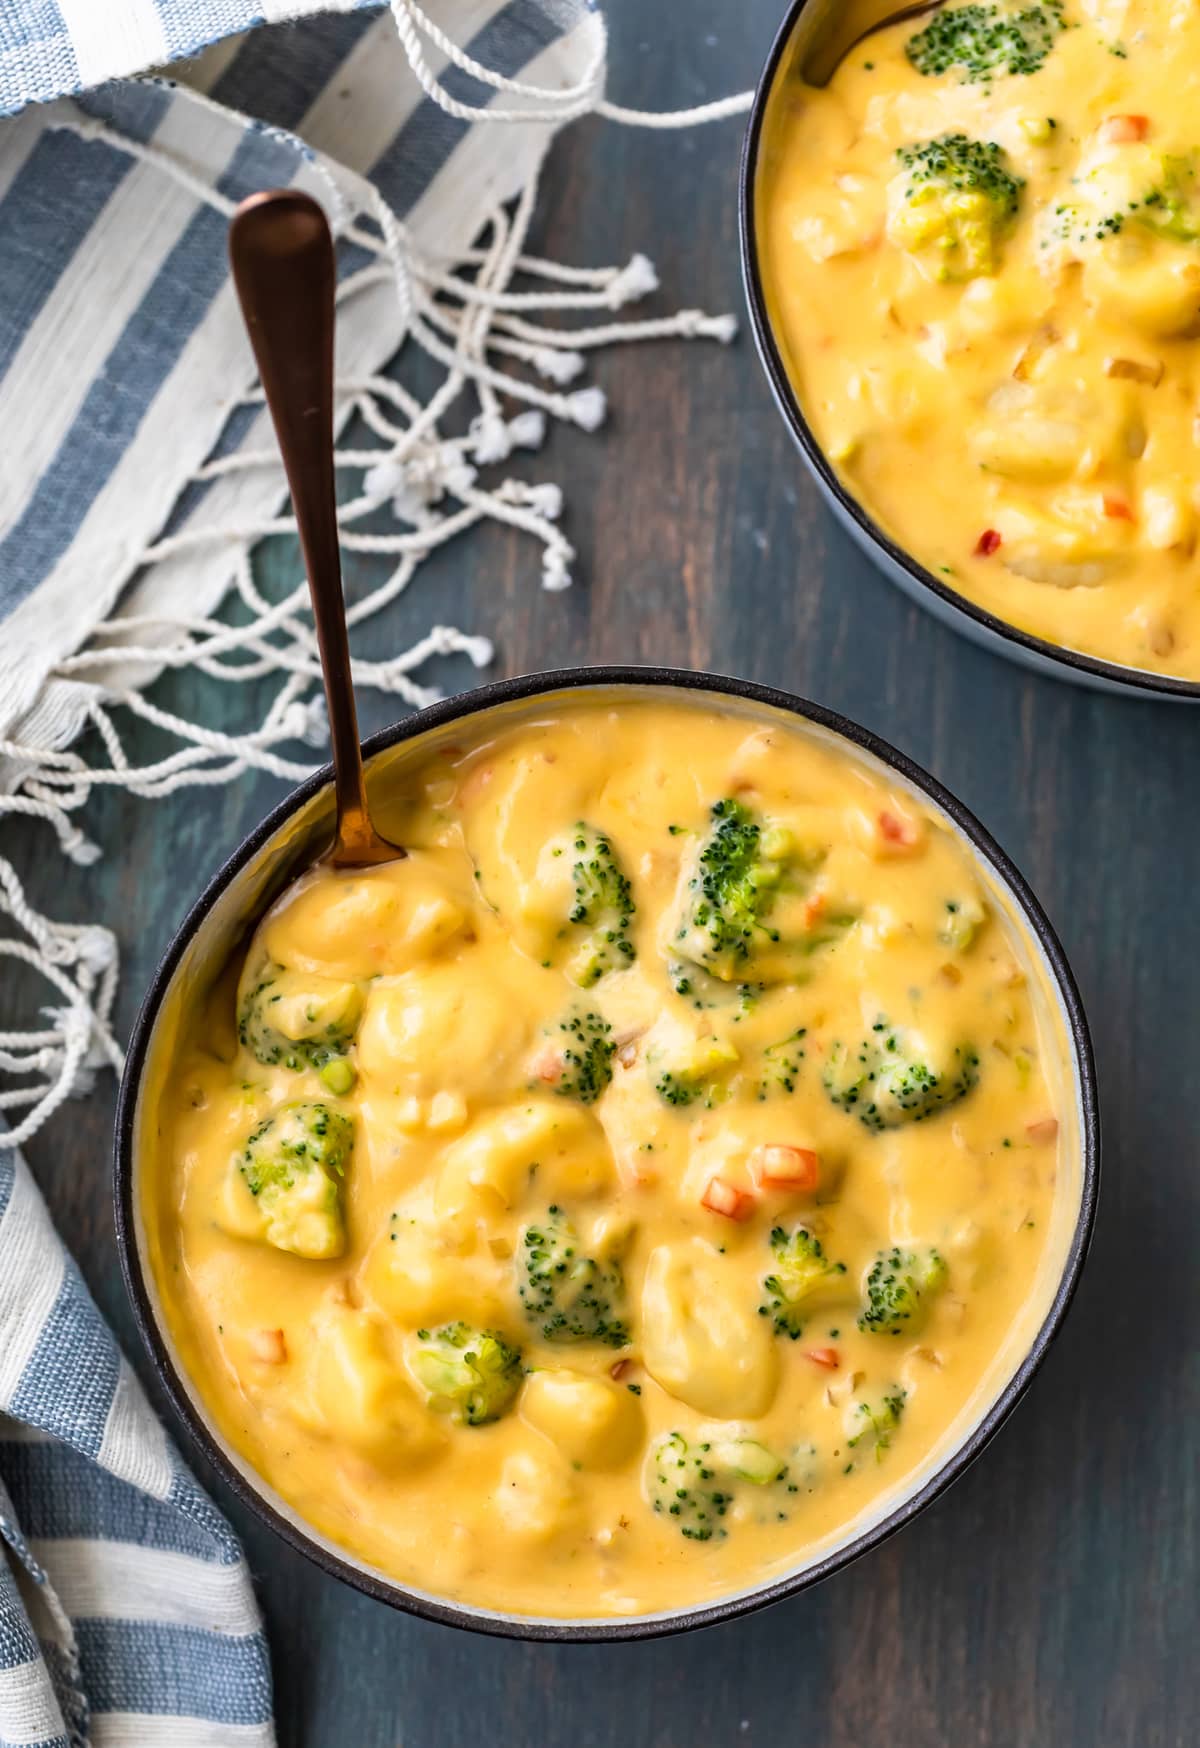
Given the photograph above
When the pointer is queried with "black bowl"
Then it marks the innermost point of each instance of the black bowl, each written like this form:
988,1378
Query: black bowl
282,845
801,20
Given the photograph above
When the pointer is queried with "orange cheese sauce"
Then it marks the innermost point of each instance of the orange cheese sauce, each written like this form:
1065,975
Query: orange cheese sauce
1011,390
528,1086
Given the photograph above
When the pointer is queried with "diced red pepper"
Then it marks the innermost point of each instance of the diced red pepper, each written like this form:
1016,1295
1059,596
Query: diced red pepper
1117,508
894,830
722,1197
1123,130
987,543
823,1356
780,1166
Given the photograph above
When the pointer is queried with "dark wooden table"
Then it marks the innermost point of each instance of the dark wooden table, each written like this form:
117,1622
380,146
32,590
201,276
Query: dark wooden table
1050,1601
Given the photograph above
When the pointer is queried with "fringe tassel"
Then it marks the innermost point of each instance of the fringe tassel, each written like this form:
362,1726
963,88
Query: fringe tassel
464,317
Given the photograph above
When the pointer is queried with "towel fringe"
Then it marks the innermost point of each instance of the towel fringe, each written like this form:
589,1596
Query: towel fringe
465,317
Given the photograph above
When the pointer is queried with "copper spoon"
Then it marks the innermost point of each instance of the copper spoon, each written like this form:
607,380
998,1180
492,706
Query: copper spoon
281,252
851,25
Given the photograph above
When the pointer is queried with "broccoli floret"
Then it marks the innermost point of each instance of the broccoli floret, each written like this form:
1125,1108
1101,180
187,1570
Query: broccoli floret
1170,208
900,1288
698,1076
570,1295
338,1076
875,1422
701,991
745,1459
962,920
781,1065
737,876
802,1270
1133,185
695,1484
471,1374
683,1483
297,1022
291,1165
954,199
602,908
886,1080
677,1089
986,40
586,1057
699,1072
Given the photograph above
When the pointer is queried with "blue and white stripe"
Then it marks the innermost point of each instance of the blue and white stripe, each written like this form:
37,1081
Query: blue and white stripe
56,48
124,1598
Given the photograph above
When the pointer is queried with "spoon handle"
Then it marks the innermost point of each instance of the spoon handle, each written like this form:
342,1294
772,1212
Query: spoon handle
281,253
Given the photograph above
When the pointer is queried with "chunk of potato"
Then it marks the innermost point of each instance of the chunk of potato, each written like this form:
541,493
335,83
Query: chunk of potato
1034,432
703,1340
1150,286
235,1210
362,923
1066,554
1168,516
428,1031
841,216
416,1273
359,1395
1030,447
489,1169
1013,303
593,1421
506,821
535,1499
545,902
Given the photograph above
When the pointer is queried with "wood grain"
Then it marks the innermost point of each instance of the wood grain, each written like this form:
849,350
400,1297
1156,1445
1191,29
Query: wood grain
1050,1601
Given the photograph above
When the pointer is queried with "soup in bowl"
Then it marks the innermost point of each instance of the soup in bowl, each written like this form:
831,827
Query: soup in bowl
974,269
640,1197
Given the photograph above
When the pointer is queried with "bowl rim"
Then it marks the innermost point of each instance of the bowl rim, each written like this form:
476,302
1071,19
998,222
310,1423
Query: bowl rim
605,678
1091,668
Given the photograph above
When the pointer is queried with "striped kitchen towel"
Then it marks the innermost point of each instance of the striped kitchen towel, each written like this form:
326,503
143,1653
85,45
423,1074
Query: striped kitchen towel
127,1618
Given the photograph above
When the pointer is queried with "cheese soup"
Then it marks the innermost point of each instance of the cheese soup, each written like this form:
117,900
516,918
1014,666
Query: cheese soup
981,254
618,1200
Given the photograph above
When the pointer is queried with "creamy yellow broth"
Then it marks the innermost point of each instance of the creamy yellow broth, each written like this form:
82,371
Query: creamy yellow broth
444,983
1017,404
